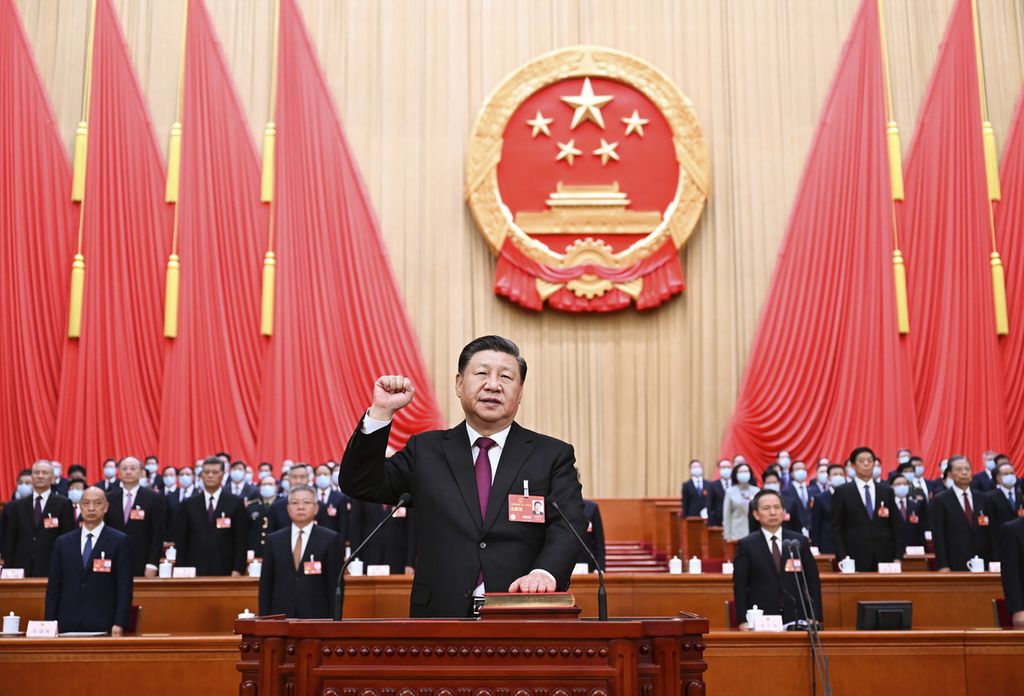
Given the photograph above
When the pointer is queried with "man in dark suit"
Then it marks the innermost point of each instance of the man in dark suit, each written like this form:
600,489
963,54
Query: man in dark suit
300,563
141,513
90,579
259,515
765,575
864,516
60,483
1005,504
298,475
594,536
332,503
960,520
186,489
393,546
213,529
468,540
695,492
984,481
797,495
716,493
34,523
910,527
821,510
1011,551
109,481
238,486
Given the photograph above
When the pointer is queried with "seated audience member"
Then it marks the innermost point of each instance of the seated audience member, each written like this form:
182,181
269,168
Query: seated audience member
237,485
716,492
821,510
771,480
332,504
259,515
910,530
1004,501
797,496
737,502
141,513
76,488
394,545
594,536
298,475
763,574
90,580
34,523
960,519
695,492
864,516
213,529
984,480
109,481
1011,553
300,563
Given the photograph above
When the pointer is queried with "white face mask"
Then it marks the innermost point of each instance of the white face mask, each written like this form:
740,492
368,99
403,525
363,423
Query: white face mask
901,490
185,480
151,468
75,495
696,472
837,481
248,477
990,464
109,471
237,475
169,480
323,482
784,461
1009,480
904,458
771,487
823,478
743,477
725,472
911,476
24,490
800,475
876,472
268,491
919,470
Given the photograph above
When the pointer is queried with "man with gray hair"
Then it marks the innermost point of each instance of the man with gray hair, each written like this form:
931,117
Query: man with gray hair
34,523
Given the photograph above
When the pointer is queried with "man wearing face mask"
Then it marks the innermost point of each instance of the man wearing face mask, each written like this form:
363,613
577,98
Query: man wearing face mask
151,466
237,485
333,504
141,513
797,496
695,493
109,481
910,527
820,482
821,510
34,523
184,490
716,492
1005,501
213,528
984,481
961,524
23,487
864,516
298,475
76,487
783,463
259,514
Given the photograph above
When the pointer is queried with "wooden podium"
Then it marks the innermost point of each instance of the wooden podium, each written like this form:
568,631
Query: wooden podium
535,656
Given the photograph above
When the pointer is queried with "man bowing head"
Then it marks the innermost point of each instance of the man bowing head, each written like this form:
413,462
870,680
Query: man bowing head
474,487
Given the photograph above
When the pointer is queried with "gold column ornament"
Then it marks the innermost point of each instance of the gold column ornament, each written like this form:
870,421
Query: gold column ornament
82,132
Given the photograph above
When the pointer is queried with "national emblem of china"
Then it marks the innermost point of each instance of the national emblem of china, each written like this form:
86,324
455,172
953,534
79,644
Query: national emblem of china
586,173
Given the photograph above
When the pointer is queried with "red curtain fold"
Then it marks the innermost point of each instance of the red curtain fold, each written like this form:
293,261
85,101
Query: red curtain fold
340,321
827,371
1009,215
958,377
37,227
110,387
212,377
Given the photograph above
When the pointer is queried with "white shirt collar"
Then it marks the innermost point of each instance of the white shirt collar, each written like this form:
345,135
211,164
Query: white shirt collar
133,492
95,533
45,494
498,437
305,530
768,537
215,494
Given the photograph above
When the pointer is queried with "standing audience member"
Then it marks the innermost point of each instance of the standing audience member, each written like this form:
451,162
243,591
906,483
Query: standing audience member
298,475
1005,503
771,480
60,484
1011,551
910,527
213,529
76,488
259,515
695,493
737,502
716,493
22,485
109,481
333,505
394,545
34,523
90,579
960,520
238,485
594,536
864,516
984,481
141,513
797,496
186,489
821,510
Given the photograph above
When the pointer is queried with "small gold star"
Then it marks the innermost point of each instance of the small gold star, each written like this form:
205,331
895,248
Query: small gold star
607,150
635,124
540,124
588,105
567,151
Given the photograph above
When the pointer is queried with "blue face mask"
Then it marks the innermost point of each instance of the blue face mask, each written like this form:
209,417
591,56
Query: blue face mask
990,464
911,476
1009,480
24,490
268,490
837,481
800,475
772,487
876,472
724,472
185,480
919,470
151,468
169,480
237,475
109,471
323,481
75,495
285,485
743,477
901,490
334,477
823,478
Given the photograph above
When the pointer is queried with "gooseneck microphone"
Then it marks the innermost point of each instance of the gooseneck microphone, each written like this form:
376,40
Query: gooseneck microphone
602,596
792,547
339,592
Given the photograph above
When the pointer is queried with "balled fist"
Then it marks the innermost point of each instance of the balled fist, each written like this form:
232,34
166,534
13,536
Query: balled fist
390,393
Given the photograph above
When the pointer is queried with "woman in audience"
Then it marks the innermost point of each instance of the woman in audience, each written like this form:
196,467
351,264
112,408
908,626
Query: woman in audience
737,502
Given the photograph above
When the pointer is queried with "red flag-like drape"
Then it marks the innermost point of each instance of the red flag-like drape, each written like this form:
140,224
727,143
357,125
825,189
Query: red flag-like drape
110,388
1009,214
958,385
827,371
340,321
212,376
37,227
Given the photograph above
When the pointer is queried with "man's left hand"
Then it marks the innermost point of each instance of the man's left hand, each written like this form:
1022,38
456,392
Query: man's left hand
116,632
534,582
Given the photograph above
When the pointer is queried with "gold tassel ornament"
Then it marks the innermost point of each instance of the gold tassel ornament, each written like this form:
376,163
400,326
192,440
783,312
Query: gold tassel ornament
77,292
267,180
999,295
892,136
988,137
78,171
173,165
171,297
267,298
902,306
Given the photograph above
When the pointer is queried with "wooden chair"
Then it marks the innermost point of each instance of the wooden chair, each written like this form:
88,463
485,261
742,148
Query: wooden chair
1000,615
133,620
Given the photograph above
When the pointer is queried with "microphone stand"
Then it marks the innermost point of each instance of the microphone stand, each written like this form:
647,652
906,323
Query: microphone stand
807,606
339,592
602,596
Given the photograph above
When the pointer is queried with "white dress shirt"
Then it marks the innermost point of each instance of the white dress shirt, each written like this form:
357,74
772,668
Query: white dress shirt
215,495
133,492
84,537
45,495
960,498
305,537
861,483
777,534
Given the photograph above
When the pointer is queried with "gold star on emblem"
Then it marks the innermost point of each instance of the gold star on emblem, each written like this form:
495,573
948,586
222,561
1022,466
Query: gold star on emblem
635,124
540,124
607,150
588,105
567,151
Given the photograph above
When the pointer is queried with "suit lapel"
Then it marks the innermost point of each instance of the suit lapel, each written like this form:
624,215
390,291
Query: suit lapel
518,447
765,550
459,455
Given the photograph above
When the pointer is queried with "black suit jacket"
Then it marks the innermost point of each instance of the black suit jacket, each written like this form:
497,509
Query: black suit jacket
285,590
106,486
1001,513
983,481
148,534
693,501
757,580
81,600
594,536
795,505
868,541
1011,553
61,487
955,541
201,544
278,515
334,515
174,501
454,542
716,500
910,531
395,543
821,522
249,491
28,546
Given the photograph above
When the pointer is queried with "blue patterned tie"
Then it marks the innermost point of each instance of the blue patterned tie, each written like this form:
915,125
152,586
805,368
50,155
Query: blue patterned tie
87,551
867,501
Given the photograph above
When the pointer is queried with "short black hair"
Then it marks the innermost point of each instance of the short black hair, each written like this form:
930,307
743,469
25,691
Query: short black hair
836,465
954,459
859,451
76,469
916,459
766,492
225,455
771,472
237,462
151,456
736,471
499,344
214,461
72,482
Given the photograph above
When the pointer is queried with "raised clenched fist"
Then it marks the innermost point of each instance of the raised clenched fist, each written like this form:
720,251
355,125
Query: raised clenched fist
391,393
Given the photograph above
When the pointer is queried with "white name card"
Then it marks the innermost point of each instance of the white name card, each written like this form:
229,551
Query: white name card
771,623
580,569
184,572
914,551
12,574
41,629
378,570
893,567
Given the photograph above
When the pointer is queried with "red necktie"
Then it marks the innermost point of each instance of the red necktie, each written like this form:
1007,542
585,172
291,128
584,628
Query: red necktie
968,511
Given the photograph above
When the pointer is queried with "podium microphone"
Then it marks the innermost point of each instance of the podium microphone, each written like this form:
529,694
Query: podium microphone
602,596
804,591
339,592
